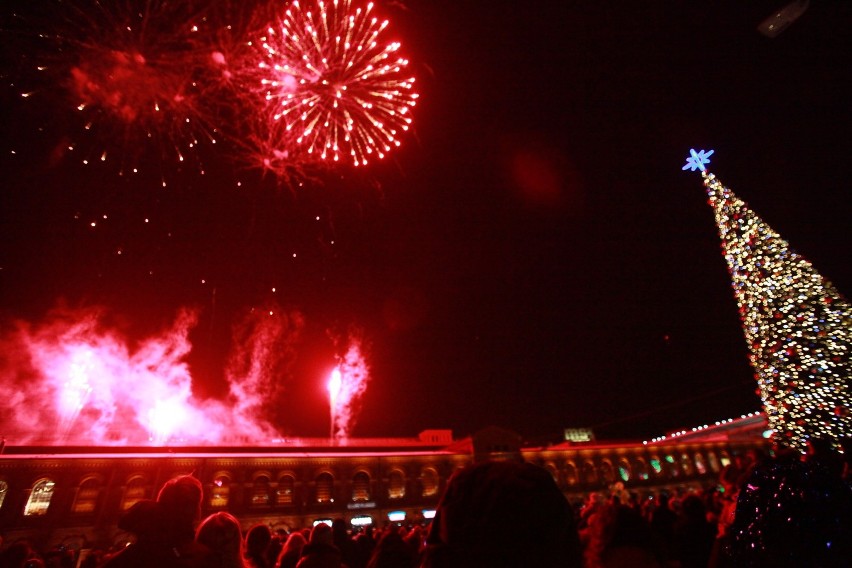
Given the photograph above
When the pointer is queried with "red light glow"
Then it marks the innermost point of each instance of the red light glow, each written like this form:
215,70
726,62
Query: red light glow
334,384
334,88
347,384
74,380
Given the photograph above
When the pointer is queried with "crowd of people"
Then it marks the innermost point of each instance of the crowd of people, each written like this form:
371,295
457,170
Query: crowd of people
781,510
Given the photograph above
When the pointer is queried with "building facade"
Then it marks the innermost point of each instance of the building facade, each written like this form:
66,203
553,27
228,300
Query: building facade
75,498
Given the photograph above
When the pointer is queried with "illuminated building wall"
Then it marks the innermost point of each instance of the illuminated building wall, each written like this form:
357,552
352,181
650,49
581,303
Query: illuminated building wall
76,498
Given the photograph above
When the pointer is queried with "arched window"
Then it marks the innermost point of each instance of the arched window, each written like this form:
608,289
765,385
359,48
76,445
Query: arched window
724,458
324,488
396,485
686,464
714,462
640,470
285,494
607,472
590,474
4,488
624,469
87,497
554,473
570,473
699,464
135,491
656,465
429,479
40,497
361,487
220,493
260,491
670,466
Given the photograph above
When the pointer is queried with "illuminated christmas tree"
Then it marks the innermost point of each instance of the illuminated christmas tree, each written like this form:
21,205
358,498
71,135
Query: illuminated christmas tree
796,324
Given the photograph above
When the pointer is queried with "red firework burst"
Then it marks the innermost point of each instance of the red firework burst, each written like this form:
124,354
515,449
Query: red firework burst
138,74
334,88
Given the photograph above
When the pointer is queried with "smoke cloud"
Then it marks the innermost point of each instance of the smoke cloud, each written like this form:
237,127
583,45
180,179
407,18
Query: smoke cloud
74,379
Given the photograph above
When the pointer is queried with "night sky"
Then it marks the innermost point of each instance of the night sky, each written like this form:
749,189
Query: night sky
532,257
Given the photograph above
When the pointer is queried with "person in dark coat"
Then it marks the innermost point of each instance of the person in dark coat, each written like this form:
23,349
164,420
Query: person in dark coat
164,529
693,534
222,534
392,552
662,526
258,539
279,537
291,551
503,514
18,555
320,551
793,513
341,539
145,521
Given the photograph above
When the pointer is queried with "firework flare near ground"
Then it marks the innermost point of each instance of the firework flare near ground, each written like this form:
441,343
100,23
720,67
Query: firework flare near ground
346,386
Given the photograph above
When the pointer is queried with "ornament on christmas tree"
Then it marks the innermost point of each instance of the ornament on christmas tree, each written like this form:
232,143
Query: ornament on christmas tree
697,160
796,324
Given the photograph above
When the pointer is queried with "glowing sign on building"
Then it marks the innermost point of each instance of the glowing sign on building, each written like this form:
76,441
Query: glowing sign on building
579,435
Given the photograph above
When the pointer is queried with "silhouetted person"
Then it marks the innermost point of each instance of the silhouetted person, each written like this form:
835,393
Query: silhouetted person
341,539
619,537
792,513
415,541
220,532
145,521
292,550
17,555
364,546
720,555
258,539
693,534
165,534
279,537
320,551
662,525
502,515
392,552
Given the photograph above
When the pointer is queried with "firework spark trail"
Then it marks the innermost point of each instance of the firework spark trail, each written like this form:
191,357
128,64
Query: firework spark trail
153,82
124,76
266,339
348,385
331,88
140,77
71,379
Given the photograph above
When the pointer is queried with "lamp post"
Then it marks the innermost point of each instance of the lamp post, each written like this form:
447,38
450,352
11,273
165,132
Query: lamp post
334,384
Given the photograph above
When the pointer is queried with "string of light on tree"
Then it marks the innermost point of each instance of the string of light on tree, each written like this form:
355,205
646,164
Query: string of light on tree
796,324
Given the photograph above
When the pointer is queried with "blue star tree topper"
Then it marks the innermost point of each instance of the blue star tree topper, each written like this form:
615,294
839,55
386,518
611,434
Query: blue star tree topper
697,160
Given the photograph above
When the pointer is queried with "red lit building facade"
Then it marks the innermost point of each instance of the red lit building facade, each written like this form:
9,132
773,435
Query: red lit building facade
71,497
